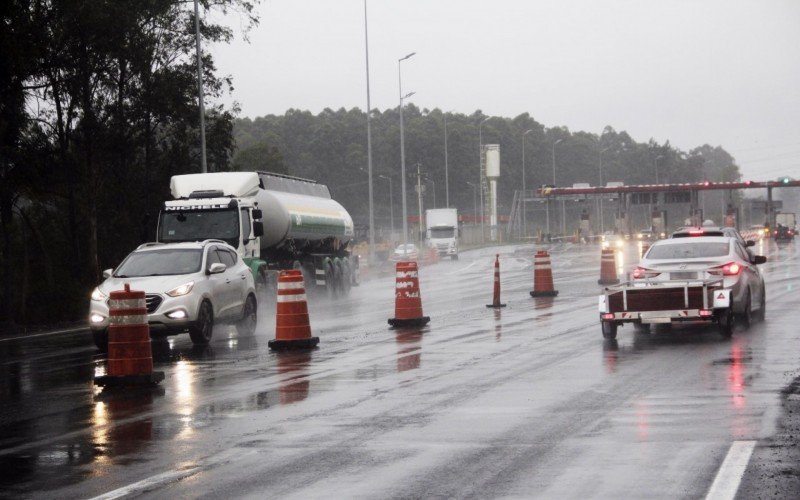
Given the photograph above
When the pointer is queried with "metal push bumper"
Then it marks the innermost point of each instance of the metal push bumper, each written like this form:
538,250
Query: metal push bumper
715,298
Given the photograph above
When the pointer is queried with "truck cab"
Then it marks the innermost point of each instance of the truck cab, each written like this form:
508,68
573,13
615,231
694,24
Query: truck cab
442,231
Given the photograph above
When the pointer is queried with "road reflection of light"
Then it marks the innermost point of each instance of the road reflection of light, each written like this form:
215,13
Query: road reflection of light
184,375
736,376
100,431
620,263
642,421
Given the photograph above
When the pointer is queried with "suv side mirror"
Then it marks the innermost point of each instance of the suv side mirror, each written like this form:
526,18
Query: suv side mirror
750,243
217,268
759,259
108,273
258,229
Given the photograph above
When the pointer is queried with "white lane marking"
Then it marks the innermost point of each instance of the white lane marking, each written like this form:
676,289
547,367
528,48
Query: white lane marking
726,484
57,332
174,475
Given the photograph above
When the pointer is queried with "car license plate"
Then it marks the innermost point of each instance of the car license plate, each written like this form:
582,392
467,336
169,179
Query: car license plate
683,276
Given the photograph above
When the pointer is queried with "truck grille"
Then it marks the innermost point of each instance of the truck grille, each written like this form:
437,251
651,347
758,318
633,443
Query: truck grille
153,301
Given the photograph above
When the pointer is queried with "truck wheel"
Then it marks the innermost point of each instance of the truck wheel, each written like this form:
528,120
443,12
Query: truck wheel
609,330
262,285
247,325
726,323
101,339
330,280
347,277
200,331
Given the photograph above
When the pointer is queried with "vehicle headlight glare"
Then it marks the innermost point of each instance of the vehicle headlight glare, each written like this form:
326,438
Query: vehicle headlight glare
96,318
177,314
181,290
97,295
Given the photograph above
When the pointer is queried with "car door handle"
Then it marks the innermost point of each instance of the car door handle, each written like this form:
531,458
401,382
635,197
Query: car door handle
244,277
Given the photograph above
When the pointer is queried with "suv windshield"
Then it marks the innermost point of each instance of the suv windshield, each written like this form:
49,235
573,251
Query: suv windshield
199,225
160,263
689,250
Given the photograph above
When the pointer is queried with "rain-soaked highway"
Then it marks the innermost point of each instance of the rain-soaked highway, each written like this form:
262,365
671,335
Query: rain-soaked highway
527,401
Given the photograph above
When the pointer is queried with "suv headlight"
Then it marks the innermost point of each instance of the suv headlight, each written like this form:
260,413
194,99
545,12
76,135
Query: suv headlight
97,295
181,290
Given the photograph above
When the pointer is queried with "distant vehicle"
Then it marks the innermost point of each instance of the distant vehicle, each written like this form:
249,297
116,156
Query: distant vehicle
610,239
188,287
704,278
405,252
783,234
786,219
757,231
275,222
442,231
646,235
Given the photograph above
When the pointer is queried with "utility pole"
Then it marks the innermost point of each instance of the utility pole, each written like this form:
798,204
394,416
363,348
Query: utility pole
419,198
369,149
203,164
446,179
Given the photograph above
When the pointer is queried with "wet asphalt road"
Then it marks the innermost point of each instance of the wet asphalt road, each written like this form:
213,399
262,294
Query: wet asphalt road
527,401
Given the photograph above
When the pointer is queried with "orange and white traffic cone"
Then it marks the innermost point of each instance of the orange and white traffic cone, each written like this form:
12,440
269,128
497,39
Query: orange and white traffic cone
130,355
542,276
407,298
608,270
292,327
496,300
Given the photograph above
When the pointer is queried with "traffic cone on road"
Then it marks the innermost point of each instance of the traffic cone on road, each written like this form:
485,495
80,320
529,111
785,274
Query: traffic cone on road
130,355
608,271
292,328
407,298
496,300
542,276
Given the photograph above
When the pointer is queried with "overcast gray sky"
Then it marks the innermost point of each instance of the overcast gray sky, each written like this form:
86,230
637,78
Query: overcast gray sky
722,72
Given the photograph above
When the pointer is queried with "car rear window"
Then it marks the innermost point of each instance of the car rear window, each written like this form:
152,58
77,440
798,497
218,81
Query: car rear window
689,250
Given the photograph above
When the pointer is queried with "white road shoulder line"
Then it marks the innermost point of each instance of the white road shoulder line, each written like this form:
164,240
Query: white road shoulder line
726,484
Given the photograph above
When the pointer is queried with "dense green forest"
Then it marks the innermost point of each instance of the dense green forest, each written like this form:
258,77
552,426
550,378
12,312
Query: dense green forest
331,147
99,108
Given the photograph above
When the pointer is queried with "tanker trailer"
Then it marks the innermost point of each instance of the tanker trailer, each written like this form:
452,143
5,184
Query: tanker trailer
276,222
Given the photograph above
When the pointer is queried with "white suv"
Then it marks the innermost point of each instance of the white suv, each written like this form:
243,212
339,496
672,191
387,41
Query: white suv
188,286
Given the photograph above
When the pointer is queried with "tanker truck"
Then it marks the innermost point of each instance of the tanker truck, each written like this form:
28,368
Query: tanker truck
276,222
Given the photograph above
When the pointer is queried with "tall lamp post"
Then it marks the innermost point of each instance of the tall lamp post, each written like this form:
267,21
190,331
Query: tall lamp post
480,172
547,205
403,149
369,149
524,206
446,179
655,163
600,204
203,164
391,202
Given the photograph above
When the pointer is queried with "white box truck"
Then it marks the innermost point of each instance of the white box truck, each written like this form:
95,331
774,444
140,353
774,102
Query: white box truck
442,231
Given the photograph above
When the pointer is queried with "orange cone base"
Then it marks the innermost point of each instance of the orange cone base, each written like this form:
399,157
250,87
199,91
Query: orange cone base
285,345
544,293
130,380
421,321
495,305
607,282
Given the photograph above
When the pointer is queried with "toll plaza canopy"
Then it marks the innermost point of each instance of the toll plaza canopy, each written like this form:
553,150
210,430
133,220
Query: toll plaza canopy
547,191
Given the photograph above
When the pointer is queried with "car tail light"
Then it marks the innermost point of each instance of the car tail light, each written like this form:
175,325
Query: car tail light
642,273
705,313
607,315
730,269
697,233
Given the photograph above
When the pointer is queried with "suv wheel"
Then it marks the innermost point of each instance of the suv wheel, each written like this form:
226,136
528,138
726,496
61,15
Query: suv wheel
200,331
247,325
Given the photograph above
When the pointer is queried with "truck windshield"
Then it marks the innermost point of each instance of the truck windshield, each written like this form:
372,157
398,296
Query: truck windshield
689,250
442,232
199,225
160,263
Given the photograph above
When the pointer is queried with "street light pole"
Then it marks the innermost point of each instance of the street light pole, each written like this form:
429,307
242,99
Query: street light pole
554,181
655,162
446,179
524,206
419,198
403,149
369,149
480,171
203,163
391,202
600,210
